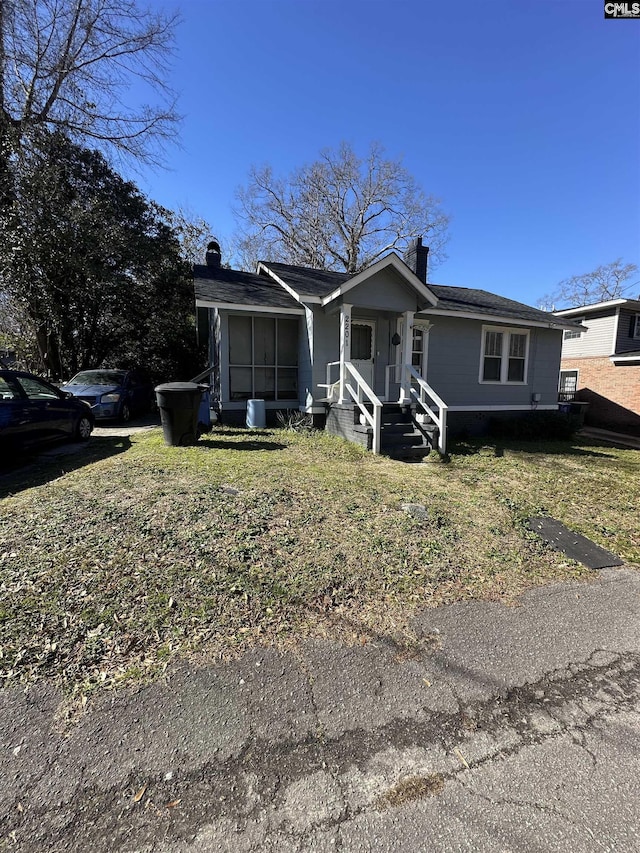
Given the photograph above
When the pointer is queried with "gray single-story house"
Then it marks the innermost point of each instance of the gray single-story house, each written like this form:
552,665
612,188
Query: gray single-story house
381,357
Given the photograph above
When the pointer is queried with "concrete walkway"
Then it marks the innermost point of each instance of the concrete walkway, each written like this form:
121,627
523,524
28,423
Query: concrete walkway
612,437
501,729
141,424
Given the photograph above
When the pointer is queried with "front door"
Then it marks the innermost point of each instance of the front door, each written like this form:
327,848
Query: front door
363,336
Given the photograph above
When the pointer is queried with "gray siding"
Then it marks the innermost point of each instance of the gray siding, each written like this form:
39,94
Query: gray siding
326,347
598,340
385,291
453,366
625,342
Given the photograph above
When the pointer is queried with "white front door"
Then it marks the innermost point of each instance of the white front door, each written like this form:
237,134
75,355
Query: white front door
363,337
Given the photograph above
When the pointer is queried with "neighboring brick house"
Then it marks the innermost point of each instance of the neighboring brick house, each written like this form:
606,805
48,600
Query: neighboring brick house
601,362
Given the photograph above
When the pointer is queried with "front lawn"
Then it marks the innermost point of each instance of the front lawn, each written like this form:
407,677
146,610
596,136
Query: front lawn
113,564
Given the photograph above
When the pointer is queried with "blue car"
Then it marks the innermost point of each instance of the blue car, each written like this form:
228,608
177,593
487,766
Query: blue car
113,394
33,411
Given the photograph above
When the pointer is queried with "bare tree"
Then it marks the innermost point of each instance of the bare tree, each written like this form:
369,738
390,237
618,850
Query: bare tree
193,232
608,281
342,212
67,64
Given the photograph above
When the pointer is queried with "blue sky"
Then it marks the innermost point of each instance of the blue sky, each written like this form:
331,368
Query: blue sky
522,116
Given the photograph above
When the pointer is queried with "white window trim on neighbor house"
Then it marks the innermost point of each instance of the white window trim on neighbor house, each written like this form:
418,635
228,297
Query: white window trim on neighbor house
574,334
562,381
636,327
507,332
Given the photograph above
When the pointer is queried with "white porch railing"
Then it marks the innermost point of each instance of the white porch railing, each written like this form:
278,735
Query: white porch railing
361,392
362,389
332,388
422,395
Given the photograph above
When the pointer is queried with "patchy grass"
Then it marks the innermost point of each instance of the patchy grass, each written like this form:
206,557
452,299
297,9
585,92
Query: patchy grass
115,562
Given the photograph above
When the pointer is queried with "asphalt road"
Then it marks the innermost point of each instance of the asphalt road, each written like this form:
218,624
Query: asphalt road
502,729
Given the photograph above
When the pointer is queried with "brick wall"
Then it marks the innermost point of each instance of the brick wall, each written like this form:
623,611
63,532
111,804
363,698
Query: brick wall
344,420
612,391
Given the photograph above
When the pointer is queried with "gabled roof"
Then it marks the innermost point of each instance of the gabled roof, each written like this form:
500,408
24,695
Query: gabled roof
311,285
284,287
216,286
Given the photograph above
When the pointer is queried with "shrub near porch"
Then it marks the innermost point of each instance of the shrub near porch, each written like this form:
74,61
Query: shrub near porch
111,570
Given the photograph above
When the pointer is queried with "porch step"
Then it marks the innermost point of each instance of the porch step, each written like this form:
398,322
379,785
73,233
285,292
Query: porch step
408,437
408,454
403,438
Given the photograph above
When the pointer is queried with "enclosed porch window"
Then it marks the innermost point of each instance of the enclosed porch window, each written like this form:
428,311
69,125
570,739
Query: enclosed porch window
263,358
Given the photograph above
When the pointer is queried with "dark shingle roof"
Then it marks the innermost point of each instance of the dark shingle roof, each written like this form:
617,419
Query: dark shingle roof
470,300
216,284
310,282
307,281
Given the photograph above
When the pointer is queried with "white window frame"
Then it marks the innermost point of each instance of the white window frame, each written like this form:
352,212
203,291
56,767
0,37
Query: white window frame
574,334
636,327
423,326
507,331
562,374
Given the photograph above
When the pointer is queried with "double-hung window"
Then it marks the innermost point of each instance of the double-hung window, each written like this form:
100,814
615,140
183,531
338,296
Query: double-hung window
505,354
635,325
573,334
263,358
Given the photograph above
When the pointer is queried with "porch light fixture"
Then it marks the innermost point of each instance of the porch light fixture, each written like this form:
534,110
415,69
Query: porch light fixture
395,340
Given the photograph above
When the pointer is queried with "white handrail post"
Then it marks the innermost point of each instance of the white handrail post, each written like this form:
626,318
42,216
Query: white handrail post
407,348
345,348
377,413
442,437
362,389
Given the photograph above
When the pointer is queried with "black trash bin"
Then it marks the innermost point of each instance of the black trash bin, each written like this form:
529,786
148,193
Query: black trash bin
179,403
579,410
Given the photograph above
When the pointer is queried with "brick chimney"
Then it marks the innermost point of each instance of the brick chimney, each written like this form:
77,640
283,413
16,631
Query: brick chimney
214,255
416,258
